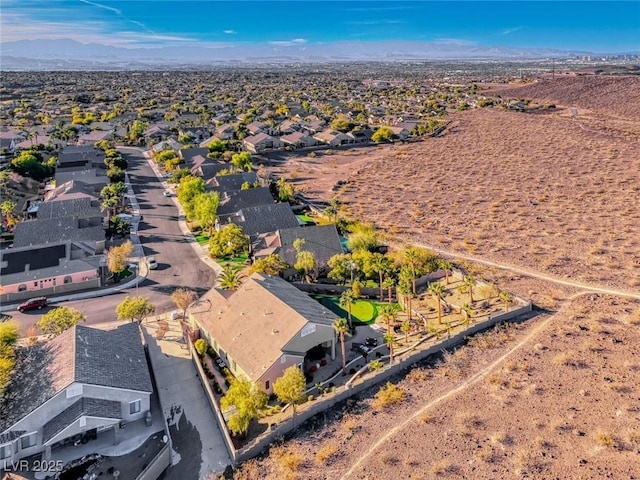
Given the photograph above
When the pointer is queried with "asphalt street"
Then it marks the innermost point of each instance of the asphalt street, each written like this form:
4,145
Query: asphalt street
160,235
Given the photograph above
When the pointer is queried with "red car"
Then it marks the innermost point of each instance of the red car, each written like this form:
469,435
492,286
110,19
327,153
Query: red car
33,304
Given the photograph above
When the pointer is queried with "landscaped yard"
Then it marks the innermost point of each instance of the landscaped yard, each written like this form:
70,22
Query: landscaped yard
201,238
306,219
362,311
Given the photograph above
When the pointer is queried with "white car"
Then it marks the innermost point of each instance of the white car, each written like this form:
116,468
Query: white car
151,263
166,193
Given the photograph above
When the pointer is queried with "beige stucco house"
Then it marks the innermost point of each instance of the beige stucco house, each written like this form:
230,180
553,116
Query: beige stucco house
264,327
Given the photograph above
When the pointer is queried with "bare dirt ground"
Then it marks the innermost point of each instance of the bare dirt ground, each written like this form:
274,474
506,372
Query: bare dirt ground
549,191
554,397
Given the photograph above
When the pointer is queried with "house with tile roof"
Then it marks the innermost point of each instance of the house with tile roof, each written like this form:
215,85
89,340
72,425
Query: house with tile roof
264,327
83,383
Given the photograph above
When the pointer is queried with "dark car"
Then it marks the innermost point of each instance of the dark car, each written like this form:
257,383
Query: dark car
33,304
371,342
360,348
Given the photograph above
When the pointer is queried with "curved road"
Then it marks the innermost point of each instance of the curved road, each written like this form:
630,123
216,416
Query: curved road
160,235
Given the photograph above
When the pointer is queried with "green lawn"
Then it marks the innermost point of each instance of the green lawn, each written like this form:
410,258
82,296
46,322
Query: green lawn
202,238
242,258
306,219
362,311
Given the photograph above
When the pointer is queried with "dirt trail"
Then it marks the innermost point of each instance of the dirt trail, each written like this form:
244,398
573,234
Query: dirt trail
463,386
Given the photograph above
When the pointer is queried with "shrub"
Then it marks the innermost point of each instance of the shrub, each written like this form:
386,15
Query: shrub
606,439
325,453
388,396
375,365
201,346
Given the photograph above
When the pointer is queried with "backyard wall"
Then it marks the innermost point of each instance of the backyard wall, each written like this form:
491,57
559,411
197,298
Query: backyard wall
158,465
50,291
353,387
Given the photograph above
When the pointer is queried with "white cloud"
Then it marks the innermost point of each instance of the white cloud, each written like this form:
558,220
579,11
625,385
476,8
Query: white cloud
288,43
230,32
119,12
510,30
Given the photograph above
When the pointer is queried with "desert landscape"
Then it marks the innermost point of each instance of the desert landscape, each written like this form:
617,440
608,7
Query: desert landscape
552,397
548,190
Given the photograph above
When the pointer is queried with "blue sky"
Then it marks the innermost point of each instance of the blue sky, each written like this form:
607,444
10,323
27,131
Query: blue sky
599,26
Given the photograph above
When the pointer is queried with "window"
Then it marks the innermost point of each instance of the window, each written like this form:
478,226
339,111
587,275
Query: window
22,287
266,385
83,421
74,390
67,279
5,451
135,406
27,441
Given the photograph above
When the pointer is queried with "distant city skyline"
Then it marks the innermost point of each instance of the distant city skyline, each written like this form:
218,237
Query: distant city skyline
592,26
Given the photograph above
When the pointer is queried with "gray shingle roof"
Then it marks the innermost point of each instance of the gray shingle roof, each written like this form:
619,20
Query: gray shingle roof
234,182
49,230
75,207
265,218
321,240
92,407
110,358
235,200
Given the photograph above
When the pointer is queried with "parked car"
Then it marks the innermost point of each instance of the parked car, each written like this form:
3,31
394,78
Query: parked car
151,263
360,348
33,304
371,342
166,193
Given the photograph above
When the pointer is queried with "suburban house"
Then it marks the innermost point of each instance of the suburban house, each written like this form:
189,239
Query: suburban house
156,132
362,135
84,384
80,157
322,241
261,142
261,219
208,171
47,269
95,136
333,138
400,132
188,154
234,200
298,140
73,189
92,176
84,207
225,132
264,327
169,144
60,229
225,183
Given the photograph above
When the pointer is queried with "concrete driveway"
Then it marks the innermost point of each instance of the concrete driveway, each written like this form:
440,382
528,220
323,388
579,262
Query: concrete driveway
198,446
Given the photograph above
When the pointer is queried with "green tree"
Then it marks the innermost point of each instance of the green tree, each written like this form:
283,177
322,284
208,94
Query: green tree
217,145
340,265
437,290
507,299
8,339
242,161
229,279
363,236
389,313
383,134
201,347
389,283
117,257
406,329
390,340
290,387
248,400
59,319
7,209
306,262
286,190
188,189
380,265
468,284
135,309
205,208
182,298
228,241
346,300
342,328
136,130
467,311
272,264
447,267
404,287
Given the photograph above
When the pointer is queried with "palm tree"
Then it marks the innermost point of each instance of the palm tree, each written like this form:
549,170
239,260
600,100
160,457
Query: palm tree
446,266
507,299
467,310
404,287
229,278
346,300
412,257
406,328
469,282
448,327
390,340
342,327
438,291
388,314
381,265
388,283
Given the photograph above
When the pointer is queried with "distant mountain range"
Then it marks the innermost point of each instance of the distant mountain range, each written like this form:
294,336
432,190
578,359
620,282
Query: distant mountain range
73,55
